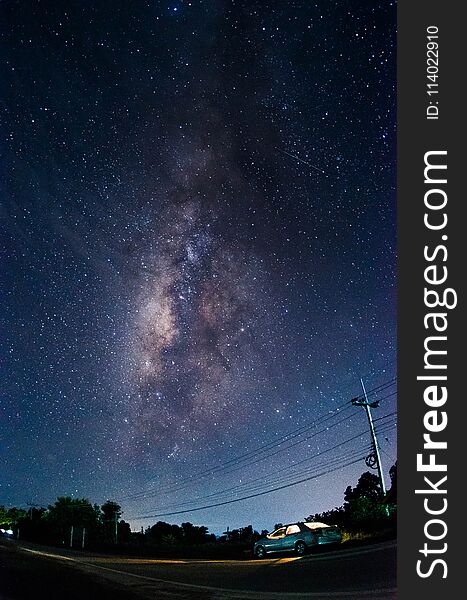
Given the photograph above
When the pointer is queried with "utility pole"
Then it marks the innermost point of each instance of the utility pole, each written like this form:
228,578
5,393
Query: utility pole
116,527
71,537
82,538
368,406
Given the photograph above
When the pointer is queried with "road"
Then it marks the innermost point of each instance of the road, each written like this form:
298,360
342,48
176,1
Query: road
28,572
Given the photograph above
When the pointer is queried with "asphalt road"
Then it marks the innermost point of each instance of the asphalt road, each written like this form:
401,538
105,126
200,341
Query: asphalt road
29,572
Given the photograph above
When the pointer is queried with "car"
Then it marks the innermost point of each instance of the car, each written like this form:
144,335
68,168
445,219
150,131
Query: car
298,538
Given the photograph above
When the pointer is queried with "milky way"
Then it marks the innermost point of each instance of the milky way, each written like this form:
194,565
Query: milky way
202,294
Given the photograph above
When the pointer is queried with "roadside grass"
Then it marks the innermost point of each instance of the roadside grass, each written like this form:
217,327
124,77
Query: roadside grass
357,537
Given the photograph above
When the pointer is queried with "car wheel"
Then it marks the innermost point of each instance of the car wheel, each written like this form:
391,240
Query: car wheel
300,548
260,552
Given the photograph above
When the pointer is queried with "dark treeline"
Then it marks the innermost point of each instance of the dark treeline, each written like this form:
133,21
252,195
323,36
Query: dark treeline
68,522
75,522
366,511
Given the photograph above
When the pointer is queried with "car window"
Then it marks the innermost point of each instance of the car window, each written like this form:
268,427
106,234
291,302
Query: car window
292,529
316,526
279,532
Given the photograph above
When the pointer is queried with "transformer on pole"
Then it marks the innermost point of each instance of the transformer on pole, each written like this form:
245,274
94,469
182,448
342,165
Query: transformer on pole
368,406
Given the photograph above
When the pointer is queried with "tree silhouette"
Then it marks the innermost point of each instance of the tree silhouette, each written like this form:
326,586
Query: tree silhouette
193,534
124,532
9,517
365,507
69,512
364,504
368,486
391,497
162,532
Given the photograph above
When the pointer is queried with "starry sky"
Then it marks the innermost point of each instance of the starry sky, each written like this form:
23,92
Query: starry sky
198,253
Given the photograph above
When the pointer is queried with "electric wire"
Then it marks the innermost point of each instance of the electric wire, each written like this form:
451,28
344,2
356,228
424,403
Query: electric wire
234,468
253,485
238,462
252,453
256,495
360,434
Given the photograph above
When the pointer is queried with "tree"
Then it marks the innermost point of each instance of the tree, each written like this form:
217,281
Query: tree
391,496
244,535
110,510
124,532
9,517
363,504
365,507
164,533
336,516
70,512
193,534
248,535
32,525
368,486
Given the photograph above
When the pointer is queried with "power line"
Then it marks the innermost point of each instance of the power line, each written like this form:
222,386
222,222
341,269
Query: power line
382,387
294,474
282,487
307,459
319,454
291,472
233,468
253,485
385,416
384,426
233,462
226,467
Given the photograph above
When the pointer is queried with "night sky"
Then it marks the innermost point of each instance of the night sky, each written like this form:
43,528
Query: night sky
198,253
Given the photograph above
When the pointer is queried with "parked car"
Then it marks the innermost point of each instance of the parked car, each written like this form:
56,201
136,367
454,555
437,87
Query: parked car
298,538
